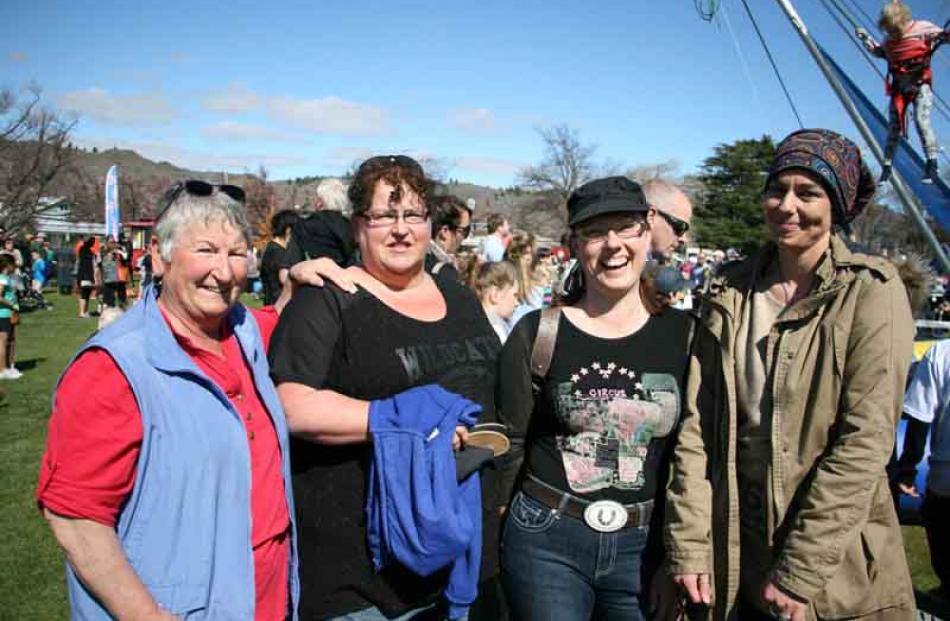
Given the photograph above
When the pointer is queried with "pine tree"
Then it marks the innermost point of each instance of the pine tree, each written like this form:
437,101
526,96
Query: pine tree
730,213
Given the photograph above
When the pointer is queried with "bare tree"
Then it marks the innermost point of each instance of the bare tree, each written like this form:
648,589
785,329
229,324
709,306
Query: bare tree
647,172
541,213
261,202
882,229
567,163
139,198
34,150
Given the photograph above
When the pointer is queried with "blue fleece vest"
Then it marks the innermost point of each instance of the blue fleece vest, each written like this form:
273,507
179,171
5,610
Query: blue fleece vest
186,527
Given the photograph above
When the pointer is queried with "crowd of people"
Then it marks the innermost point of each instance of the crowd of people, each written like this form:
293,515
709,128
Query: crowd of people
412,430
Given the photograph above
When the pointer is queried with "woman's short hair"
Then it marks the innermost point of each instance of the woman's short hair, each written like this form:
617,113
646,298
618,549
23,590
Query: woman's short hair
331,195
187,210
282,221
397,170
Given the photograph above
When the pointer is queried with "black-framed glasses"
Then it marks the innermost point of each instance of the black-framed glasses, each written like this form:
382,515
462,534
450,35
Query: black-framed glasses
463,231
197,187
390,217
679,226
597,233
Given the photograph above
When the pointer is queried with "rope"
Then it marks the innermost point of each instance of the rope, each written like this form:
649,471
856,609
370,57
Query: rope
850,34
738,48
869,23
768,53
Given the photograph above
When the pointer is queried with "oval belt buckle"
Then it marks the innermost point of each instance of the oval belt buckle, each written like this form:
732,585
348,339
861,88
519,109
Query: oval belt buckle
605,516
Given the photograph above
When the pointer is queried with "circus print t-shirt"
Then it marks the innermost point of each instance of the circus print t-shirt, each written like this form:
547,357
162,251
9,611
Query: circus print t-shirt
607,408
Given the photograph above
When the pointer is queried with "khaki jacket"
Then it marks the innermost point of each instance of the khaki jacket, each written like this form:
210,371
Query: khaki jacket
840,361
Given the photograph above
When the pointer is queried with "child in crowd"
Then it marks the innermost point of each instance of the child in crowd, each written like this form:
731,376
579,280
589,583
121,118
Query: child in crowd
39,271
496,287
9,313
908,47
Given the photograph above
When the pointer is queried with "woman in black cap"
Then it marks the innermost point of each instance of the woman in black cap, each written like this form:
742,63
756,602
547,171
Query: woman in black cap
592,389
779,503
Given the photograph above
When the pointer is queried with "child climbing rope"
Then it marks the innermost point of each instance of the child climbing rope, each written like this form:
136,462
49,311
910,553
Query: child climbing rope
908,47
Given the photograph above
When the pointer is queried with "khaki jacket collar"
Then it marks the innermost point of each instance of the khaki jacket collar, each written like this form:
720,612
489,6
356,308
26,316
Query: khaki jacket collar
729,287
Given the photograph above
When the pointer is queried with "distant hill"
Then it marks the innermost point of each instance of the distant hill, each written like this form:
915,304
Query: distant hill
96,164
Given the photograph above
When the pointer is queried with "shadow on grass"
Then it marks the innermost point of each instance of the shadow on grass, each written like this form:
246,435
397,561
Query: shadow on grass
29,363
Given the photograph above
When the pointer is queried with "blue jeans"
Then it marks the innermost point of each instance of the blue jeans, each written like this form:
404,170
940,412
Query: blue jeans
557,567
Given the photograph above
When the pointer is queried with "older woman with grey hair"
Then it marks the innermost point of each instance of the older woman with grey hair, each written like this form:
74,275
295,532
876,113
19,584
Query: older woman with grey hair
165,478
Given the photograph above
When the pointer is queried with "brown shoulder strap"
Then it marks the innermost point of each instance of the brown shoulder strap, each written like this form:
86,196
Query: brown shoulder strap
543,349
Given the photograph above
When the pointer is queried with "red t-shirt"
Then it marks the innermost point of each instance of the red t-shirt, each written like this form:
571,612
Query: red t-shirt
95,433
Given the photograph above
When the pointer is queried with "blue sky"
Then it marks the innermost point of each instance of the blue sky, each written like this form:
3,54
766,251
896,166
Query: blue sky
309,87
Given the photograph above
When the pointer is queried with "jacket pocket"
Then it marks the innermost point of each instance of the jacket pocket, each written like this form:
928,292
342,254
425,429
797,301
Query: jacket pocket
529,514
872,577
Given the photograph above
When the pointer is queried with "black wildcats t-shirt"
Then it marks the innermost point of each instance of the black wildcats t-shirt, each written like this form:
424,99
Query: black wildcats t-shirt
607,407
359,347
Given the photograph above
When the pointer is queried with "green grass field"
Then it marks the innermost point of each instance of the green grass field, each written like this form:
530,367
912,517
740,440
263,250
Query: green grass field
31,564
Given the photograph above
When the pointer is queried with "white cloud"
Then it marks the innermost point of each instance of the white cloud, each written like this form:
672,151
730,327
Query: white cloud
322,115
489,165
123,110
474,119
231,131
19,56
330,115
233,99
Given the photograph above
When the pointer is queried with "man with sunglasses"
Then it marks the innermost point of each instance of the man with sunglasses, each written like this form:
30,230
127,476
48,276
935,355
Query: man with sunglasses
675,213
672,214
451,225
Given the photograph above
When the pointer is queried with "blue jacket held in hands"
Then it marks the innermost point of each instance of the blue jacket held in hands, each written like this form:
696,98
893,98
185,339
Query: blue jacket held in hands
416,512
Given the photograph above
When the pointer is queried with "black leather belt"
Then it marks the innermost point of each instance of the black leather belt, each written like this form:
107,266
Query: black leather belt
637,514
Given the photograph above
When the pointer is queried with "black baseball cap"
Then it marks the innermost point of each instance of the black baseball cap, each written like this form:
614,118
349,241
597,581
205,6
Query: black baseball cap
603,196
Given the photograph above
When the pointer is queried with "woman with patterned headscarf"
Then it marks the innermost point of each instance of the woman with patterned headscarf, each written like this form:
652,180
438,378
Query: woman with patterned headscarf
778,505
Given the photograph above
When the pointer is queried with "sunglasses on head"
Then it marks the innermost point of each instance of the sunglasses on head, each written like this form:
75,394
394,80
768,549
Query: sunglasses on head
679,226
196,187
382,161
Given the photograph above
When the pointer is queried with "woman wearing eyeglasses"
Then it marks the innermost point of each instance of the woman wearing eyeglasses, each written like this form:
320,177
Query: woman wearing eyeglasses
337,356
779,504
166,477
594,388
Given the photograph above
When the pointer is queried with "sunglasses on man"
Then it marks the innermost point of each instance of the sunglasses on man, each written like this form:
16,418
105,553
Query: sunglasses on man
196,187
679,226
